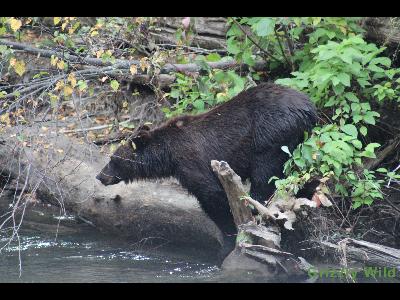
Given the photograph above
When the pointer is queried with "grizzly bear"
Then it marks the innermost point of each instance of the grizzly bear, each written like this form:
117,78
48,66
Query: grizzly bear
247,131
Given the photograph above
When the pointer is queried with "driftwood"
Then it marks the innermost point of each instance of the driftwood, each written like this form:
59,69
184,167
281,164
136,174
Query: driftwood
234,190
365,252
263,254
61,170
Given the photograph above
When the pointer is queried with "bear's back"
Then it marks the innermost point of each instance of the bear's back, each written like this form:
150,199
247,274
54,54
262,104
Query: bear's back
273,107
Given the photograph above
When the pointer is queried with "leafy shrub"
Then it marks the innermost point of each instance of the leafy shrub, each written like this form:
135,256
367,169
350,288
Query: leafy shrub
197,94
345,77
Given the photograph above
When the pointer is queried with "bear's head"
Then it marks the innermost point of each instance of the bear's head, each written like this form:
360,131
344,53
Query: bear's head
130,161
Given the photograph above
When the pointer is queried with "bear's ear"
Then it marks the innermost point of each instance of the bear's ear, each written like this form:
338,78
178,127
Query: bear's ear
141,139
144,127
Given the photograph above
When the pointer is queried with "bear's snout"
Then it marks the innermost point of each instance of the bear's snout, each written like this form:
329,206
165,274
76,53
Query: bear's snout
98,177
107,180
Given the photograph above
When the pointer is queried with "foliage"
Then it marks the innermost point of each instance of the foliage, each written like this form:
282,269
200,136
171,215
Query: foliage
282,41
197,94
343,75
346,77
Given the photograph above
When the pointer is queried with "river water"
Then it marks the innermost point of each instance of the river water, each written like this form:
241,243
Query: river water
58,254
93,258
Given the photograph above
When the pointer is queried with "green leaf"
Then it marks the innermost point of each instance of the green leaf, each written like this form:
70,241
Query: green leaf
357,118
82,85
326,54
368,154
363,82
382,60
114,85
363,130
350,129
175,93
372,146
232,46
375,68
213,57
369,119
357,144
338,89
248,57
351,97
344,78
199,104
264,27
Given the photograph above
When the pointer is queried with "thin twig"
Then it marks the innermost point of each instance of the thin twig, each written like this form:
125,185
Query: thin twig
282,50
265,51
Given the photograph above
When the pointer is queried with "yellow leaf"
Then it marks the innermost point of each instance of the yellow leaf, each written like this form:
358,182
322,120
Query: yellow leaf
113,147
133,69
5,118
19,67
15,24
72,79
68,90
53,60
125,104
94,33
61,65
64,25
12,61
144,64
57,20
99,53
59,85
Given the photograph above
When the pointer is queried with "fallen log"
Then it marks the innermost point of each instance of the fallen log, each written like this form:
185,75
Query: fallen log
362,251
209,32
63,170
